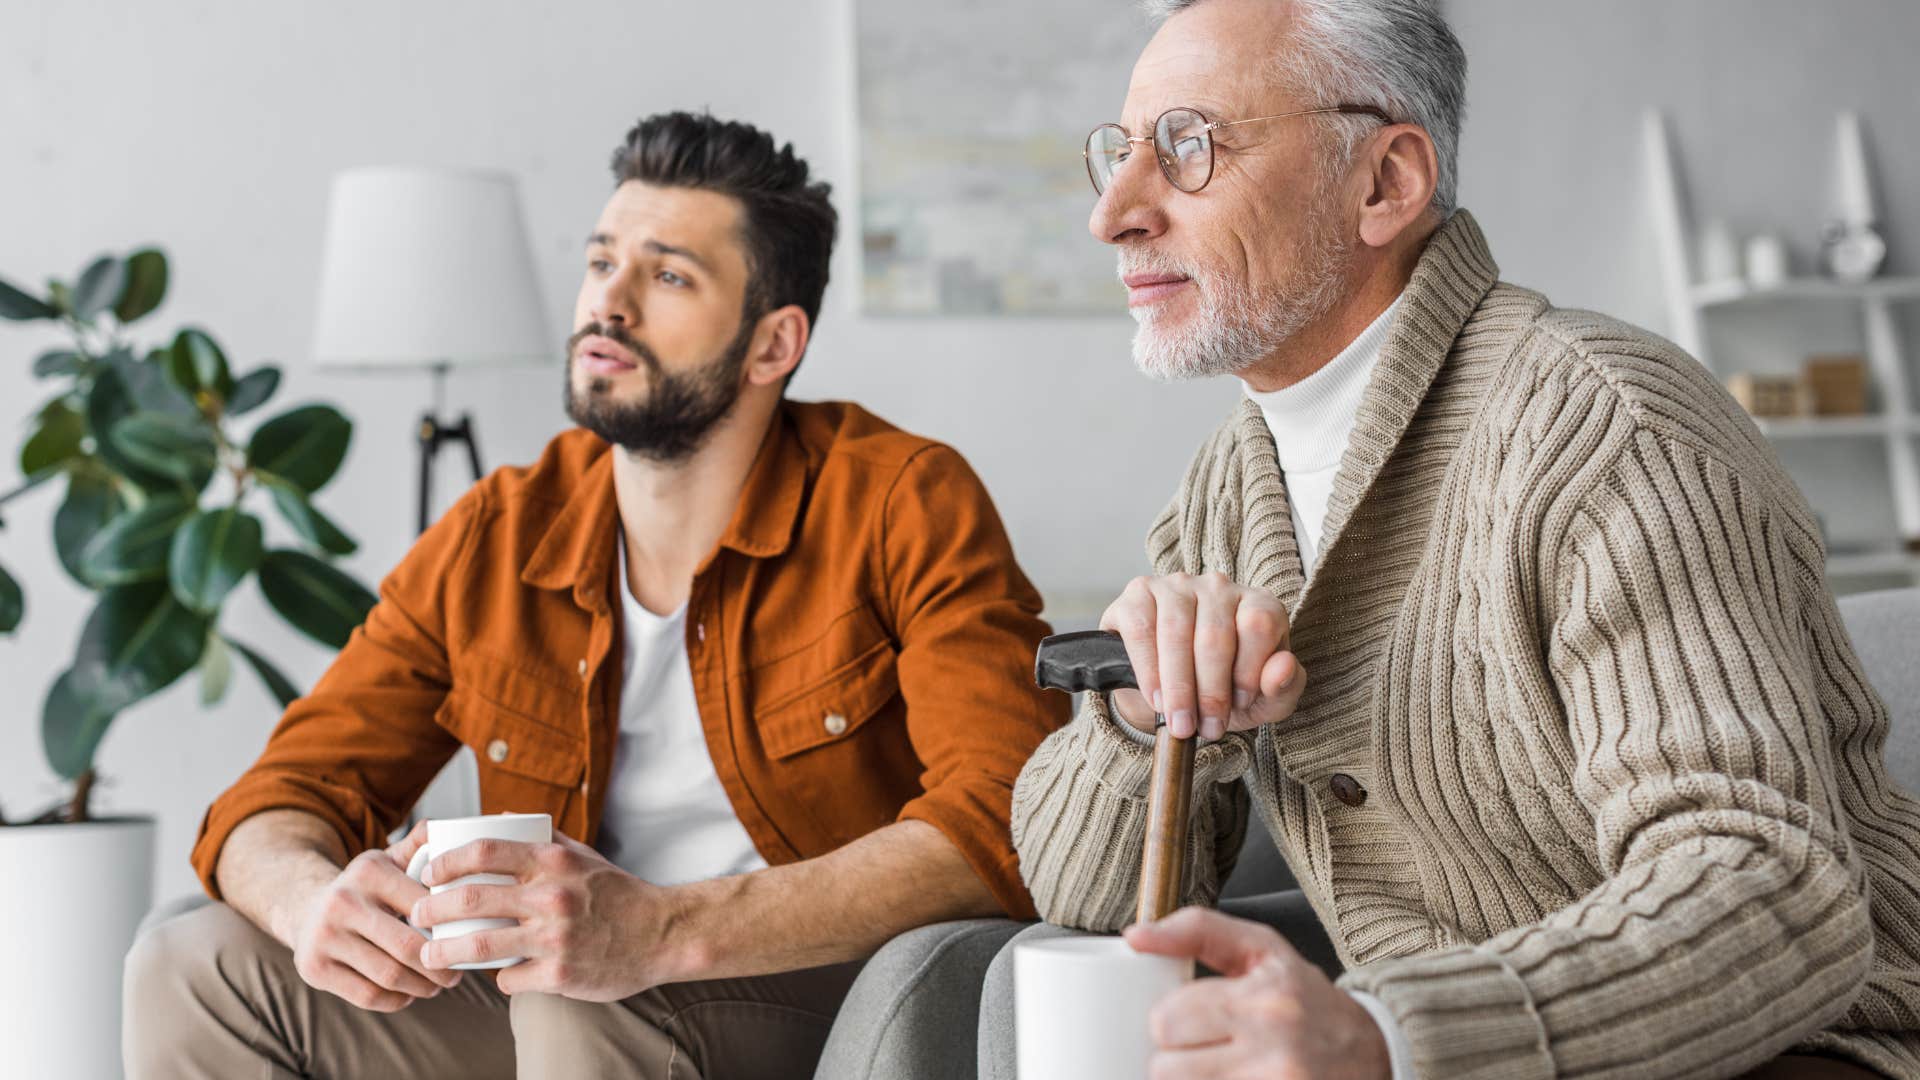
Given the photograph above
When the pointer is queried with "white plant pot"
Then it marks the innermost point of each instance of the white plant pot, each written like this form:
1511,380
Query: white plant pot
71,897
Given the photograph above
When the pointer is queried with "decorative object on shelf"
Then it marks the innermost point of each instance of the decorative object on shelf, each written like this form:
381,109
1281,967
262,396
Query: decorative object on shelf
1836,385
1767,263
1895,426
1768,395
1851,248
427,270
1719,253
1851,253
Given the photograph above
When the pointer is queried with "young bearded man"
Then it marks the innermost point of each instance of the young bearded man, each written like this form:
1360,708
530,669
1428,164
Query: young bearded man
766,663
1503,617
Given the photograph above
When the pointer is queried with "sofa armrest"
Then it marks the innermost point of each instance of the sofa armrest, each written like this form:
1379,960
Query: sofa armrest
914,1010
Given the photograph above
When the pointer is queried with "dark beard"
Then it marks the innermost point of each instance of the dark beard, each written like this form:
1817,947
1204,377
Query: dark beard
681,407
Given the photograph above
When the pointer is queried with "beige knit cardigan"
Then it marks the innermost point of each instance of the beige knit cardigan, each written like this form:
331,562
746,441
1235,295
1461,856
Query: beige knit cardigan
1627,814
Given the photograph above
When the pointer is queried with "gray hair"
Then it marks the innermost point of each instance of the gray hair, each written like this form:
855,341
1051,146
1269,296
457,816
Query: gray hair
1396,55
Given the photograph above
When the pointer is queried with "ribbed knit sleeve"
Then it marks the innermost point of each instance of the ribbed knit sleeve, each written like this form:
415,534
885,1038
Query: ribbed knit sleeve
1733,921
1080,812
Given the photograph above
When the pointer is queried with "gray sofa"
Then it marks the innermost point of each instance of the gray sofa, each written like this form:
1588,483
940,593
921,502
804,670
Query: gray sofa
937,1003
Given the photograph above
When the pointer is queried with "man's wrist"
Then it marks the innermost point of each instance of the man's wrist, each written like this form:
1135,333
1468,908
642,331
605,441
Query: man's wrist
303,880
687,947
1399,1051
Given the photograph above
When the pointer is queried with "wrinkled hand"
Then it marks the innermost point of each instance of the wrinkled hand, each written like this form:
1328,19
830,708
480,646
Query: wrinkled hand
353,941
588,929
1209,655
1272,1015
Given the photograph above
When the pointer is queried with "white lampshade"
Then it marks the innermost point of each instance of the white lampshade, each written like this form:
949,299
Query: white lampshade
424,267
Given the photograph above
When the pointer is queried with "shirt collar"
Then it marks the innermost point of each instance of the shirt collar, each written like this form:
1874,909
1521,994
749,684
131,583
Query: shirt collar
573,551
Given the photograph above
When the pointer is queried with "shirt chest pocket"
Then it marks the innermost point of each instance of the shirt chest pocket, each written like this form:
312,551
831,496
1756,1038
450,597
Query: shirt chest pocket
827,691
510,721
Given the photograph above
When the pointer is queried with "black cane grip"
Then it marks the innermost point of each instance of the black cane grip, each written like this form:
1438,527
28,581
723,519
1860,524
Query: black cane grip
1093,660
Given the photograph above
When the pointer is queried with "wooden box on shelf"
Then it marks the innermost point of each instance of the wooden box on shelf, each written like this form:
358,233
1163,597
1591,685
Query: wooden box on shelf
1768,395
1837,385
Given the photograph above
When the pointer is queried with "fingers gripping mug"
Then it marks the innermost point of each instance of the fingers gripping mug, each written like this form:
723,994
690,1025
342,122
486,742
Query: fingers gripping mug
445,834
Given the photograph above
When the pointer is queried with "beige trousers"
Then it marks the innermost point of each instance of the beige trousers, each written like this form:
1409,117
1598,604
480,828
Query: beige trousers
212,997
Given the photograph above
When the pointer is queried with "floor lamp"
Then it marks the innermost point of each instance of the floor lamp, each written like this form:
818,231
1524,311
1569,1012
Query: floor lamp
428,269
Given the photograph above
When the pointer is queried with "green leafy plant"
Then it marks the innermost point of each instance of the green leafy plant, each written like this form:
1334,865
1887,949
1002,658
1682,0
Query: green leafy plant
157,518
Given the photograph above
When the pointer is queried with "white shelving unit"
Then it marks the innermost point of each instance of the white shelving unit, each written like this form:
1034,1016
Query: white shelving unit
1896,428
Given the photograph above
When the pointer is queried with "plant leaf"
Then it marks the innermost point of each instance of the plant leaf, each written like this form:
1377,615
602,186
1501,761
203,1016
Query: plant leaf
148,385
320,601
58,438
100,284
109,402
13,604
146,285
137,641
71,726
20,306
57,362
216,671
196,363
215,552
313,526
303,446
133,547
91,503
278,685
253,391
172,446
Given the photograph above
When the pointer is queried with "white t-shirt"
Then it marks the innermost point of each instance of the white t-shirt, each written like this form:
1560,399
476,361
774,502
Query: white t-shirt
667,819
1311,422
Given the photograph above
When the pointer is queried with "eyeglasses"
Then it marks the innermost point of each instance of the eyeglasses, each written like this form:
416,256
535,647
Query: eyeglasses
1183,141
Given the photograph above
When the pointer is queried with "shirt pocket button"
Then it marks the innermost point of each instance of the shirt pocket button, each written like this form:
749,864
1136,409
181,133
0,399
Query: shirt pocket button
497,751
836,724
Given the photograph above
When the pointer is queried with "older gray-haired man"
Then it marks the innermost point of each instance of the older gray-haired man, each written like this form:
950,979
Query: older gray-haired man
1502,616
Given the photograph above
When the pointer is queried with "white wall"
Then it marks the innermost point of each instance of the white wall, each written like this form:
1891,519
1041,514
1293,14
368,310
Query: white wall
211,127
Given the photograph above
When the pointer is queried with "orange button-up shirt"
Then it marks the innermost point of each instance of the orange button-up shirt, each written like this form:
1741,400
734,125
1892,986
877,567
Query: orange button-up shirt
861,642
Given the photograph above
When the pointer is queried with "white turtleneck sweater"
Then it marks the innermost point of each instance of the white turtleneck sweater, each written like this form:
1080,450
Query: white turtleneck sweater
1311,420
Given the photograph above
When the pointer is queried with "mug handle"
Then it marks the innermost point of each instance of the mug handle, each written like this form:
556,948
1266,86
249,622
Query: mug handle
417,868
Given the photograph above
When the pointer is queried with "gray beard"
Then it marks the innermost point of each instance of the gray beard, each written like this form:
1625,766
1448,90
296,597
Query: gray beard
1237,327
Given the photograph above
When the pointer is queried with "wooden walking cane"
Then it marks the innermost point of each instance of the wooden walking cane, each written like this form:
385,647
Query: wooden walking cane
1096,661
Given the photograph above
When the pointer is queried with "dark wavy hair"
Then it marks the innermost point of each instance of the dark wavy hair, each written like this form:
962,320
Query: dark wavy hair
787,220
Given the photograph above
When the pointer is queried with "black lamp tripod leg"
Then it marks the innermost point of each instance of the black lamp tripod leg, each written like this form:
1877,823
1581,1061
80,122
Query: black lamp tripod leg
472,439
432,435
428,440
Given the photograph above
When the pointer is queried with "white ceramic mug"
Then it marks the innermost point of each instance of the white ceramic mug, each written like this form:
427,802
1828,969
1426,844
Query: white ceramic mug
1080,1007
445,834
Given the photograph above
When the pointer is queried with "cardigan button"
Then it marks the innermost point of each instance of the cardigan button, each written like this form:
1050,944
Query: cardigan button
1347,789
583,667
497,751
836,724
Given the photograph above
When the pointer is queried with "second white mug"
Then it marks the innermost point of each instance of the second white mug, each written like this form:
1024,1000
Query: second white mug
1080,1007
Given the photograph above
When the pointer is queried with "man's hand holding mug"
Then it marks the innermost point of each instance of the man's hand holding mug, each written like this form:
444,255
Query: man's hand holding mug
353,940
560,918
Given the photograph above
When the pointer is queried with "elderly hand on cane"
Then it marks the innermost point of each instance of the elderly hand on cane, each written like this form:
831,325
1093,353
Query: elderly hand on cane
1211,656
